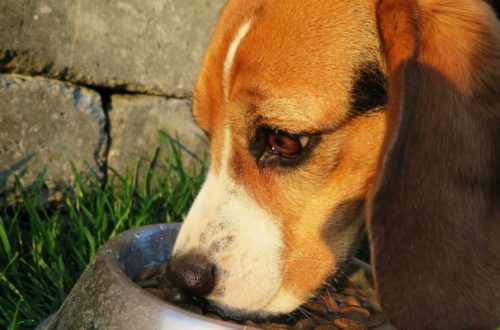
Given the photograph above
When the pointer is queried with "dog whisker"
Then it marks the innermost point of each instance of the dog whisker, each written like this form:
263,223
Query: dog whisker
291,316
305,312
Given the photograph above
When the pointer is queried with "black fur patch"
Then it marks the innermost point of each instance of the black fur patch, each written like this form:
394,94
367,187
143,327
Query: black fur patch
369,90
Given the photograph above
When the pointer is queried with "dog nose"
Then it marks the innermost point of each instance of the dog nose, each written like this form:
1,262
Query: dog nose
193,273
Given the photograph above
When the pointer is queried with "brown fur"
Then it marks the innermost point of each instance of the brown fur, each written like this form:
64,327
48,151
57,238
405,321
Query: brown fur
434,217
434,220
272,85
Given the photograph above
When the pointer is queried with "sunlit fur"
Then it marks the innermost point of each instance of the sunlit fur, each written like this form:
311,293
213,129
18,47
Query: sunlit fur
292,65
292,69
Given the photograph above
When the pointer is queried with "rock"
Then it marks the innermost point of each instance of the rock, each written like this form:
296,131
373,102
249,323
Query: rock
148,46
135,125
44,126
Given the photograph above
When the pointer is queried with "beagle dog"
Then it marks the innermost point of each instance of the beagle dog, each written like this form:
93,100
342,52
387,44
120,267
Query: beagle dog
324,115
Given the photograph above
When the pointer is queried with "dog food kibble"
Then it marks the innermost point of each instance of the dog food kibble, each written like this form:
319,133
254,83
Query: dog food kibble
157,292
330,303
213,316
348,324
351,301
147,274
192,308
345,308
355,312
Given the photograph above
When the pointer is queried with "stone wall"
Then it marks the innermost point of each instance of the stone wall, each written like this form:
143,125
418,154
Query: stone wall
90,82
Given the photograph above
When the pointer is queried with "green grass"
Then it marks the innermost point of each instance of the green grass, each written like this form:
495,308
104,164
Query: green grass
43,250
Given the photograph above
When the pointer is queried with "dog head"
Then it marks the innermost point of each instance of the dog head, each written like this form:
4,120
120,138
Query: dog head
292,97
289,95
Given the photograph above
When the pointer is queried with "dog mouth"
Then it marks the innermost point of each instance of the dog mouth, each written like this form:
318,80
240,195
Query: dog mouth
333,282
239,315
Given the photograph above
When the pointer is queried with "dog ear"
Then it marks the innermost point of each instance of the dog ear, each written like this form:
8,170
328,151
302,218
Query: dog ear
434,212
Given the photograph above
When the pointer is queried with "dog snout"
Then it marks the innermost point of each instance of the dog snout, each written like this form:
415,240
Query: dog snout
192,272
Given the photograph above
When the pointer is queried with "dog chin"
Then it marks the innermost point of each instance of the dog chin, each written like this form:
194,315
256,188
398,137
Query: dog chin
282,305
241,314
238,314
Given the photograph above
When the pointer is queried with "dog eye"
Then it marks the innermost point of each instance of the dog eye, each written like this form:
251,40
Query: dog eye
274,148
286,145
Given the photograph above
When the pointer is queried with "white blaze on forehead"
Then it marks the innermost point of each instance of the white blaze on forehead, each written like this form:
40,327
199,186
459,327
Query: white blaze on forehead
231,53
249,240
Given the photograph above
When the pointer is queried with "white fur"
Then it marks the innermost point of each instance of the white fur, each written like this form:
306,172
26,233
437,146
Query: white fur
249,240
249,267
231,53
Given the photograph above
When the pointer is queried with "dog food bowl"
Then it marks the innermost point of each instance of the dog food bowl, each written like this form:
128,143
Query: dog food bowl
105,297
